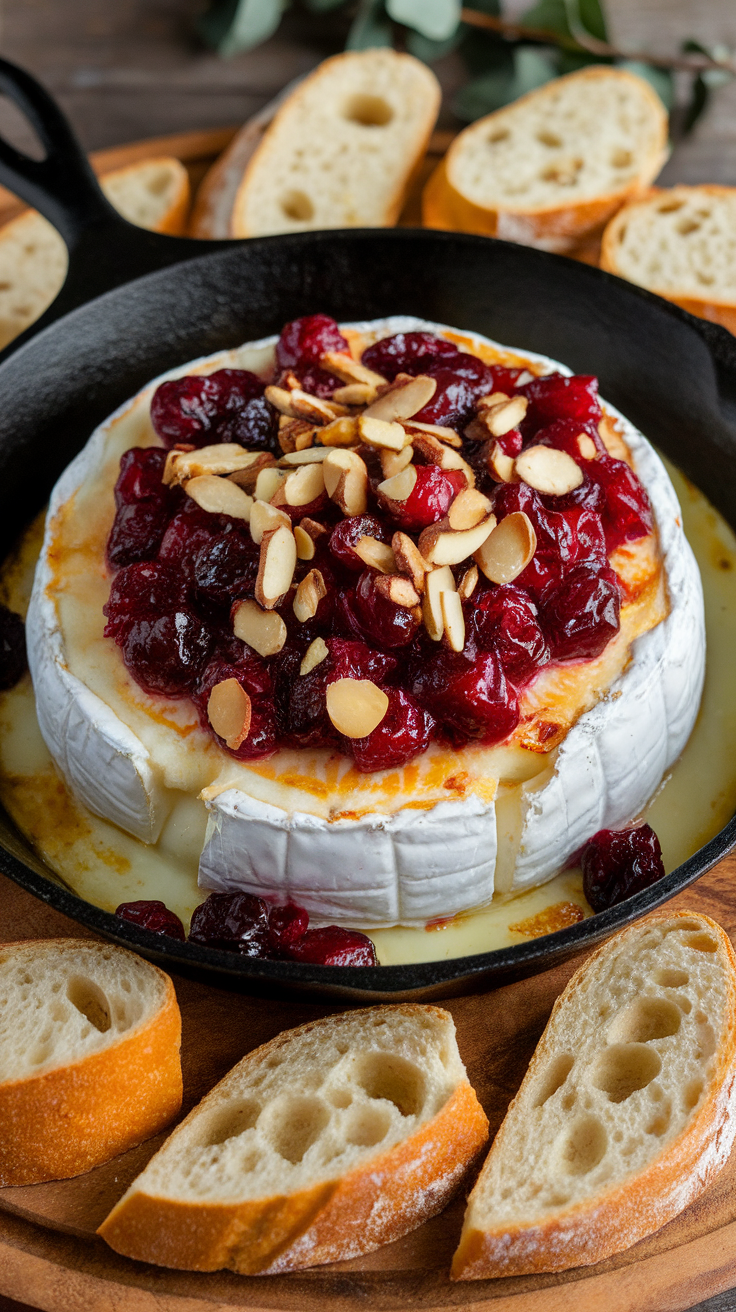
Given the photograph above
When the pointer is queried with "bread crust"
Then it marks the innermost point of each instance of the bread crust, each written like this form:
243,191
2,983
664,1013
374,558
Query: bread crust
174,221
61,1123
376,1203
638,1206
558,228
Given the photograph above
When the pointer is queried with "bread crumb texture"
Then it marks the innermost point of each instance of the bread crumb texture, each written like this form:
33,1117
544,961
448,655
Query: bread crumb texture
623,1117
679,243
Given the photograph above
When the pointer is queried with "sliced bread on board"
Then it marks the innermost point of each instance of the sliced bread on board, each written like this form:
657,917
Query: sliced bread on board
89,1056
33,258
323,1144
626,1112
555,165
681,244
340,153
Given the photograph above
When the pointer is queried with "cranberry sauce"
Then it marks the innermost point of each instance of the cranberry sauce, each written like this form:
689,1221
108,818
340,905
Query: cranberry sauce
617,863
189,606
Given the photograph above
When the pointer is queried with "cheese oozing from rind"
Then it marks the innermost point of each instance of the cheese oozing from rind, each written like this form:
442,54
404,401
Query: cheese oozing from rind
401,847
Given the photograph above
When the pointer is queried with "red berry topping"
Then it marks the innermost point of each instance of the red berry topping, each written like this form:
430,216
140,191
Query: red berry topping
403,733
235,922
226,406
471,698
460,383
186,533
505,620
136,533
226,569
147,588
617,863
153,916
428,501
349,531
239,922
167,655
305,695
407,353
333,946
627,514
381,621
557,397
305,341
286,925
141,471
254,677
581,614
13,661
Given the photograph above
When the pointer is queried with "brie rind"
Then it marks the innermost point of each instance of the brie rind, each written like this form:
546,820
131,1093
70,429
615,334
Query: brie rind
416,864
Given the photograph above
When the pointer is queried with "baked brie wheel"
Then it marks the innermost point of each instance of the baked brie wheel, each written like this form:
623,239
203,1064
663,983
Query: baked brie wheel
409,612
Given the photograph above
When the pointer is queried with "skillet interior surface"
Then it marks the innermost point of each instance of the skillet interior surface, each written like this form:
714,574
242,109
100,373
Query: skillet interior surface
674,376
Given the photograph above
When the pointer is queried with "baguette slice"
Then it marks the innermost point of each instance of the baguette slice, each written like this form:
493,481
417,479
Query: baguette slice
341,151
323,1144
89,1056
555,165
33,257
681,244
625,1114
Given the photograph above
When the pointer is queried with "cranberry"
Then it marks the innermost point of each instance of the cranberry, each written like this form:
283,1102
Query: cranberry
504,379
141,471
305,341
565,434
428,501
147,588
305,695
137,532
347,533
504,620
581,614
407,353
250,670
226,569
235,922
13,661
627,514
471,698
381,621
618,863
510,498
403,733
459,385
206,409
316,381
167,655
153,916
254,677
557,397
185,534
333,946
286,925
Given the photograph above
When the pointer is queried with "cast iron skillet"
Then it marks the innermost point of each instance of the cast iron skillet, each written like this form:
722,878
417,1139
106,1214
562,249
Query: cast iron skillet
136,303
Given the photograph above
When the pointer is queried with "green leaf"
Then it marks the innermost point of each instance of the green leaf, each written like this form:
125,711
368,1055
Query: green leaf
436,19
533,67
421,47
370,28
659,78
699,97
526,69
551,14
586,15
231,26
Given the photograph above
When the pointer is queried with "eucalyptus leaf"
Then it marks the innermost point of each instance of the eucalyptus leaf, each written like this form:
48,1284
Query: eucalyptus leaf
533,67
370,28
588,15
435,19
659,78
232,26
551,14
698,103
421,47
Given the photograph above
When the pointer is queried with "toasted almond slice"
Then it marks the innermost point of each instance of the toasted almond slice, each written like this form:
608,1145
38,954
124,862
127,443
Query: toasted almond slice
346,481
263,630
229,712
500,466
247,477
268,483
304,486
409,559
381,434
548,470
436,453
436,582
314,656
493,398
313,528
508,549
222,459
292,382
304,544
276,566
349,370
587,447
441,545
454,620
505,415
298,404
295,434
341,432
401,486
314,456
403,399
264,518
468,583
375,554
468,509
392,462
280,399
398,590
219,496
355,394
447,435
356,706
308,595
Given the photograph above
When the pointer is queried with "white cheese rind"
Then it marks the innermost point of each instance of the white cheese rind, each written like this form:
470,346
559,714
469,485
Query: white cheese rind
416,864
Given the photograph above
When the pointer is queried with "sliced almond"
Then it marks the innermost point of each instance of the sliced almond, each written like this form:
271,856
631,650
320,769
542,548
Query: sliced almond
501,415
392,462
263,630
409,559
298,404
436,453
468,509
381,434
375,554
447,435
222,459
295,434
268,483
304,544
219,496
346,481
304,486
229,712
468,583
349,370
314,656
398,590
313,528
441,545
276,566
508,550
355,394
548,470
341,432
356,706
500,465
314,456
401,486
248,475
308,595
453,618
264,518
587,447
436,582
403,398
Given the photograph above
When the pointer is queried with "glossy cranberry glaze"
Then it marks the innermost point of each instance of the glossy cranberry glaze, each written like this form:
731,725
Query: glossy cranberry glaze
182,572
13,660
240,922
617,864
153,916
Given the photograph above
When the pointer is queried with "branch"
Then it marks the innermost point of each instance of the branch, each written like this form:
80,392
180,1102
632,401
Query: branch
591,44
